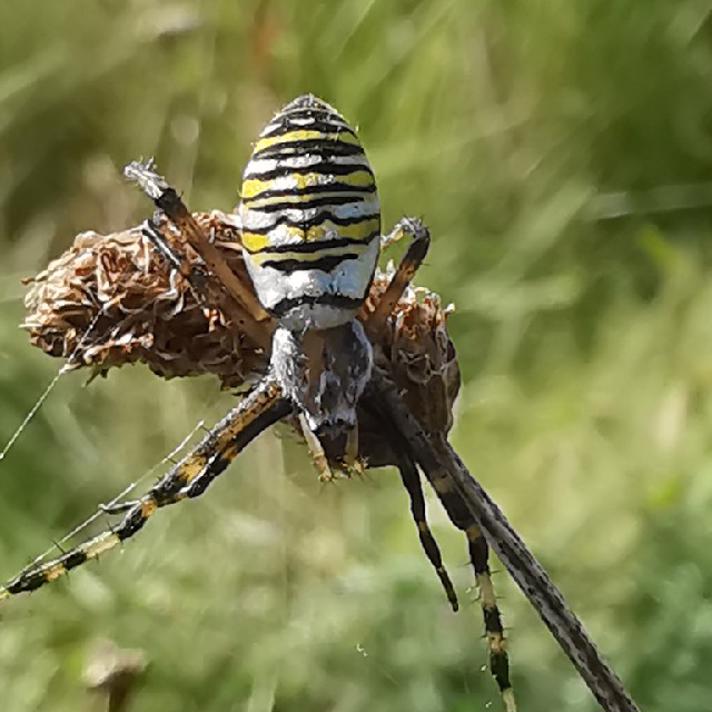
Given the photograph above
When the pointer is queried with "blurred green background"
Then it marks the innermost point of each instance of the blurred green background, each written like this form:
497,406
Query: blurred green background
561,153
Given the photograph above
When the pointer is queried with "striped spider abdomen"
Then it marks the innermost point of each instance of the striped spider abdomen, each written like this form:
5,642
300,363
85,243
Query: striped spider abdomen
310,217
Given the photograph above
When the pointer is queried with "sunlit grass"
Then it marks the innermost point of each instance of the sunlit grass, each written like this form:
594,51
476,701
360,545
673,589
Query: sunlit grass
533,138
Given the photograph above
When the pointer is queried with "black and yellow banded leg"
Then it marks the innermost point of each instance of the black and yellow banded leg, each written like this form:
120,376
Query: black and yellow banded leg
479,554
204,289
411,481
249,312
408,266
496,641
189,478
316,451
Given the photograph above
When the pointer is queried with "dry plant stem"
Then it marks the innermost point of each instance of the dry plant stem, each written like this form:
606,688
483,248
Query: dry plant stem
112,674
439,457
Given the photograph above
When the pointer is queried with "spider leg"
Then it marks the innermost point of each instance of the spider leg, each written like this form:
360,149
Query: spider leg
351,459
316,451
204,292
413,258
497,643
118,507
479,554
167,199
411,481
461,517
189,478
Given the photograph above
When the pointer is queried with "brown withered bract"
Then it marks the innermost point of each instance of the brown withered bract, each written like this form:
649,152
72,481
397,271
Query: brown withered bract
111,300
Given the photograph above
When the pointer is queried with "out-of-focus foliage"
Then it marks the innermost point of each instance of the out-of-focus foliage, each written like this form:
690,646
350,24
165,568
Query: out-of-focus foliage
561,153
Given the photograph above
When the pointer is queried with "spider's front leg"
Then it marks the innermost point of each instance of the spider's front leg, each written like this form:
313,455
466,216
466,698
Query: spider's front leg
243,307
419,235
379,400
262,407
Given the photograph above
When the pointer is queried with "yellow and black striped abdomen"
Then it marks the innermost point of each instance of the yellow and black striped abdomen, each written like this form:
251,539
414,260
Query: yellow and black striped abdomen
310,216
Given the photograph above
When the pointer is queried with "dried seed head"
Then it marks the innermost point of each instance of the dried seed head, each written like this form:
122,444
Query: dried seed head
112,299
144,310
420,353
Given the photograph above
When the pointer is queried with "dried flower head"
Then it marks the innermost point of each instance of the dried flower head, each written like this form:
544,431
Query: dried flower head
111,300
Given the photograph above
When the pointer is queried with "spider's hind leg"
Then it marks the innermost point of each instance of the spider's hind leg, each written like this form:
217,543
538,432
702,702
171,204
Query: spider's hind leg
166,198
479,557
217,286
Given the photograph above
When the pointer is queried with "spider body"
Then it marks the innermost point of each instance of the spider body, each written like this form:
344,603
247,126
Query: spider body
310,230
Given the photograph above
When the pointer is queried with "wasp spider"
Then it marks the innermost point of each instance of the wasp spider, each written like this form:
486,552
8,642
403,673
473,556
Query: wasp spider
292,282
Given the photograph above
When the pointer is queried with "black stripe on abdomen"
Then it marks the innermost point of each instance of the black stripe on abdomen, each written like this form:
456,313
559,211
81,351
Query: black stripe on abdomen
316,246
325,264
334,200
317,220
284,125
307,190
325,146
333,300
325,168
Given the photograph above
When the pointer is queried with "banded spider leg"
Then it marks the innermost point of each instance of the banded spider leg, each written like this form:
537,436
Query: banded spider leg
244,309
411,481
264,406
419,235
451,501
256,412
259,409
380,398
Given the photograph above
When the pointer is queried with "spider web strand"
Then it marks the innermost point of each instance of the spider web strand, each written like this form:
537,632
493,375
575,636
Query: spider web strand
64,369
127,490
